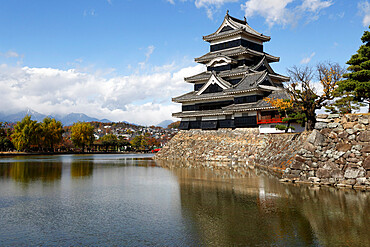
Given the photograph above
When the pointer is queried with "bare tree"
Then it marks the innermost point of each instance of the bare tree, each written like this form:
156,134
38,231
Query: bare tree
305,95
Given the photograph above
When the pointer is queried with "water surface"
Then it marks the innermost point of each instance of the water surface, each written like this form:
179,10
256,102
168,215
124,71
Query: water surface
128,200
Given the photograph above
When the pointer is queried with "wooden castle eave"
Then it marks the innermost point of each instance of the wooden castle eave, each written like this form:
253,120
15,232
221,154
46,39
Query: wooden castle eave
234,51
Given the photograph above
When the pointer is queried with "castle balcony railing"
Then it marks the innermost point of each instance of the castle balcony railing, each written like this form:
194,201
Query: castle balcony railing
270,120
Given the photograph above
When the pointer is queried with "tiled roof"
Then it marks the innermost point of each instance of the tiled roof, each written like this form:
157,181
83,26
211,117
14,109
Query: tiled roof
226,73
217,112
239,26
250,81
261,104
234,52
192,96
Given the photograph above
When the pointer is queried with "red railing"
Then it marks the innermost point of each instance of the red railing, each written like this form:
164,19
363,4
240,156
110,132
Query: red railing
269,120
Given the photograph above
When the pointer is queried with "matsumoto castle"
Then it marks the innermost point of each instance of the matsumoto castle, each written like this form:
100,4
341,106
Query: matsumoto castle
230,93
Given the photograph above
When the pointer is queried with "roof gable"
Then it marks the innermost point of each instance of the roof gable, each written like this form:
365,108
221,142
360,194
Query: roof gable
214,79
226,25
263,65
230,25
220,60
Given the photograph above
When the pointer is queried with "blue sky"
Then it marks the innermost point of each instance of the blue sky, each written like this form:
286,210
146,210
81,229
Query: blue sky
124,59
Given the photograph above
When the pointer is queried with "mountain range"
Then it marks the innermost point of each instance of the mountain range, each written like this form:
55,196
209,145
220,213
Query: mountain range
66,120
165,123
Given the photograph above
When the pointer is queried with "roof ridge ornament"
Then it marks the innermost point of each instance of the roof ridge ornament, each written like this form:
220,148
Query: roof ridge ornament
227,12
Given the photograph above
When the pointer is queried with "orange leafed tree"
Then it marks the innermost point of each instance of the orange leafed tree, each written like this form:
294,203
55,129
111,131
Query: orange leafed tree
304,94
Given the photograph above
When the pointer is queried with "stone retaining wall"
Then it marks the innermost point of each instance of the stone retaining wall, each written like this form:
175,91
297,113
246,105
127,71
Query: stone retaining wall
336,153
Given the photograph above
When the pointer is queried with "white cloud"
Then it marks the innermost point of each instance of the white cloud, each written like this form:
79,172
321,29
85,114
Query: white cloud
171,1
306,60
138,98
11,54
211,5
149,52
364,8
275,11
284,12
315,5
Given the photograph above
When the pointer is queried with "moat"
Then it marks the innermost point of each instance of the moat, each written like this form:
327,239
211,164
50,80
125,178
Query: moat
130,200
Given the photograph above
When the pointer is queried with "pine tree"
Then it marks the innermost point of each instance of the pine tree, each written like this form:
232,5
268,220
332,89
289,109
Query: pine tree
356,87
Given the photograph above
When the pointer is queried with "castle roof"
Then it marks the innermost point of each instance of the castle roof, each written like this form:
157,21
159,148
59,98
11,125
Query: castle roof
232,26
250,82
235,51
259,105
241,70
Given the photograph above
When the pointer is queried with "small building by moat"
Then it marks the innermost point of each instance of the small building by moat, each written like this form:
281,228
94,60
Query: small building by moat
231,92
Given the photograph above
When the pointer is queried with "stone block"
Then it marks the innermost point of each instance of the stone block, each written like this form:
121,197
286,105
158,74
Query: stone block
295,172
342,135
324,120
351,137
359,127
316,138
330,165
296,165
363,120
325,131
353,160
323,173
364,136
314,179
292,176
323,116
343,147
349,181
351,117
308,146
332,125
350,131
366,163
366,149
333,116
360,181
320,125
351,173
349,125
357,147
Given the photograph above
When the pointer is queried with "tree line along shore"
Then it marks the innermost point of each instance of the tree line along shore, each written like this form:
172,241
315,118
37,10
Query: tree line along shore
50,136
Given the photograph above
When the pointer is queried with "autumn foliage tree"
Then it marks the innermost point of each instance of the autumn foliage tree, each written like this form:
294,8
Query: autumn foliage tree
305,99
26,133
52,131
109,140
286,110
82,134
304,95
